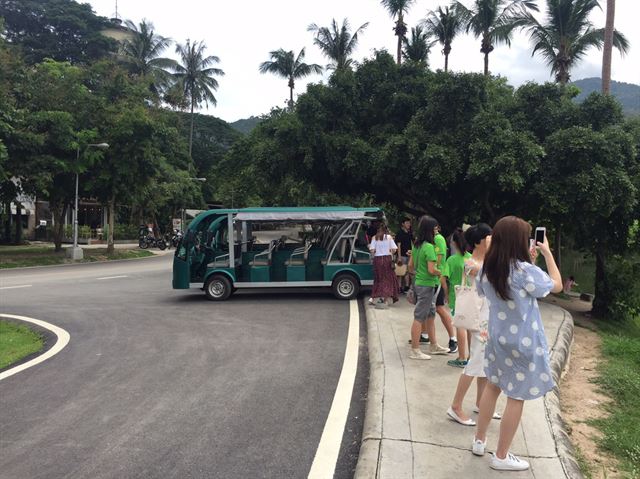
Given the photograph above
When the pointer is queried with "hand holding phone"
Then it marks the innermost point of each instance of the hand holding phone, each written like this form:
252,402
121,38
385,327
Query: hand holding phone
541,241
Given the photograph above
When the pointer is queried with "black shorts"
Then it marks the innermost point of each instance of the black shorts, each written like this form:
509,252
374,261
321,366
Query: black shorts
440,297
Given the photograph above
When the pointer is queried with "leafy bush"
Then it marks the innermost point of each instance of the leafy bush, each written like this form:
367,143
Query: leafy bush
84,231
121,232
624,288
68,231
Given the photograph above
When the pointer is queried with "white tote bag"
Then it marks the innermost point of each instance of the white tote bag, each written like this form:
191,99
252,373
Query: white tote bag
468,305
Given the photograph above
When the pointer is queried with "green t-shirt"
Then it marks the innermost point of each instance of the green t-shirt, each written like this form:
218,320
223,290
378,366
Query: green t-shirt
421,256
441,249
455,265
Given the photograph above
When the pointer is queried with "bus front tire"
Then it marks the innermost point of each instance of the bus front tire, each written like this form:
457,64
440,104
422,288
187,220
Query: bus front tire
345,286
218,288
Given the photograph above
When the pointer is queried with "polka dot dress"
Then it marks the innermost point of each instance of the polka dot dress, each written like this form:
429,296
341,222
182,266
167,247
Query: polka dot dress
516,354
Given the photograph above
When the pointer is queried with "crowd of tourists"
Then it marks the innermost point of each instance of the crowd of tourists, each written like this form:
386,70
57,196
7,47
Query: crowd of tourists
484,288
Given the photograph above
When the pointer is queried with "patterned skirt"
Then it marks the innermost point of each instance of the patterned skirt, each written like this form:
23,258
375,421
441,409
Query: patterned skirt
385,283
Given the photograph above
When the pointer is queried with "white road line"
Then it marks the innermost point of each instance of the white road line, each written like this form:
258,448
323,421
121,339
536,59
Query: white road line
16,287
63,340
112,277
324,463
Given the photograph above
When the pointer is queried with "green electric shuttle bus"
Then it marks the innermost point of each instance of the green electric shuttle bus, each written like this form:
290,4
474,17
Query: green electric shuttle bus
228,249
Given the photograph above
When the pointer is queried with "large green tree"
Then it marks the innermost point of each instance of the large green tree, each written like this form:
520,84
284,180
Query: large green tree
287,65
493,21
567,34
398,9
444,26
194,77
62,30
337,43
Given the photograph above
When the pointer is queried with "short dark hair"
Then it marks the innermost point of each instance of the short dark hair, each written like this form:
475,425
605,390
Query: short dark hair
405,219
476,234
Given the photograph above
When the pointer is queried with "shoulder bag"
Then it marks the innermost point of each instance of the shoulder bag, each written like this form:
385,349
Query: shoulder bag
468,305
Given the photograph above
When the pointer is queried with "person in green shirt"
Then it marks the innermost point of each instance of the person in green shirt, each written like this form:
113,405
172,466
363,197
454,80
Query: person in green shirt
427,280
443,294
455,267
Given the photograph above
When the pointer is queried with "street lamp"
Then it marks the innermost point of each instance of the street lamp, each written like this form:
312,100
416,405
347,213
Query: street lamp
75,252
183,220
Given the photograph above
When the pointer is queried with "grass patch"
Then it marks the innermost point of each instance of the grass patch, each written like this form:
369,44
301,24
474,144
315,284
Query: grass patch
24,256
620,378
16,342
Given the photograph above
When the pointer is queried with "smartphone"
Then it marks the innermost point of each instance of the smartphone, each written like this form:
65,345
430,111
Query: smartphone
541,231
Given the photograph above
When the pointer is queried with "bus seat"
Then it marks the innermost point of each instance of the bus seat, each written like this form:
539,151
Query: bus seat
264,258
299,256
361,257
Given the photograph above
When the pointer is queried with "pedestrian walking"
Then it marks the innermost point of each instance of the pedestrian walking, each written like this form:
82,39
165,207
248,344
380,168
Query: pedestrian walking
404,240
427,278
517,355
478,238
455,269
385,285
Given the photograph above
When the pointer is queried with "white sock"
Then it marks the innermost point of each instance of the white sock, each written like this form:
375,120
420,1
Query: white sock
425,335
453,338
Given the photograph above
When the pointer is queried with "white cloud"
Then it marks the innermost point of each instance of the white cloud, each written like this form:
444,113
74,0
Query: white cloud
242,34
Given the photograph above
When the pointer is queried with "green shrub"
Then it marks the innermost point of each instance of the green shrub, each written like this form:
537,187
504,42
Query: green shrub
121,232
84,231
623,275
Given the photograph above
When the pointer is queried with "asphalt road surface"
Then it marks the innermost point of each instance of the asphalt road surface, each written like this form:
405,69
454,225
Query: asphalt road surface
157,383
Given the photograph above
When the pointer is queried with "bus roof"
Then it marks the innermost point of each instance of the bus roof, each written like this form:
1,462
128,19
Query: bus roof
297,213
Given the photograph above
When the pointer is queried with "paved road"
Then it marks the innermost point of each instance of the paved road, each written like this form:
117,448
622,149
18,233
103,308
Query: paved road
163,383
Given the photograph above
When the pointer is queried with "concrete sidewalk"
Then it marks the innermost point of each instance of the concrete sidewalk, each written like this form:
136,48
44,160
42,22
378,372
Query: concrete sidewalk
407,433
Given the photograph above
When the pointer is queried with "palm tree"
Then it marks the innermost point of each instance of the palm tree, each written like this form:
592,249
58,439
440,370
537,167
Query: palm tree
567,35
287,65
493,21
418,47
608,47
337,44
194,77
443,25
142,53
397,9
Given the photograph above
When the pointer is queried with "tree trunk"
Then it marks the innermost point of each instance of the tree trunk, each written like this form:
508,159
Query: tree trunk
112,224
399,29
557,246
486,64
191,131
608,47
446,62
18,238
59,212
291,87
7,223
601,287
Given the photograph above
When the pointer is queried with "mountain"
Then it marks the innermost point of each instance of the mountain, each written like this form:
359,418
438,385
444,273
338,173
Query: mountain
628,94
246,124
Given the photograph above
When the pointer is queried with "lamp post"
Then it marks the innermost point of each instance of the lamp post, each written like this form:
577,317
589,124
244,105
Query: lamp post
75,252
183,220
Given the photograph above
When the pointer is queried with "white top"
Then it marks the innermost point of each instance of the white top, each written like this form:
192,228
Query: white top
384,247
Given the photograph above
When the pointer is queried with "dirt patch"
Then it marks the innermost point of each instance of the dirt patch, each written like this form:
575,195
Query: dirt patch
580,397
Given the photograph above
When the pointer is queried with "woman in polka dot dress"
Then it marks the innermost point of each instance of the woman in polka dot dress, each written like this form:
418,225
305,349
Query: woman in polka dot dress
516,354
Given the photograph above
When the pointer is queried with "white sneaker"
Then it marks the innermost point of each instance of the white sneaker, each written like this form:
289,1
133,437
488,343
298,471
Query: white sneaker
509,463
437,349
478,447
417,354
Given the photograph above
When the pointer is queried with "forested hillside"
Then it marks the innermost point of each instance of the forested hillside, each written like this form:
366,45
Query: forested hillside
628,94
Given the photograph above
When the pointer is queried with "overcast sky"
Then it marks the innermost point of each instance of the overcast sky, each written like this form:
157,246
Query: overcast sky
242,33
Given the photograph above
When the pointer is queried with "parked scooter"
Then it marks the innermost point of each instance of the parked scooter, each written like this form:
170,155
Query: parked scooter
176,237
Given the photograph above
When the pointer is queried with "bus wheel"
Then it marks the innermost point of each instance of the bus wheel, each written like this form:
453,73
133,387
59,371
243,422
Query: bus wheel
346,286
218,288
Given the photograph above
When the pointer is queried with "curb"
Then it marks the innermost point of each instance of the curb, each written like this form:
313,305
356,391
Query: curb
559,361
369,456
155,255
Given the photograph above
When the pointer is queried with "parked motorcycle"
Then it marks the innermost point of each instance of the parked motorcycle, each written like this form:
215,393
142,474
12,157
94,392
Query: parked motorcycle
151,241
176,237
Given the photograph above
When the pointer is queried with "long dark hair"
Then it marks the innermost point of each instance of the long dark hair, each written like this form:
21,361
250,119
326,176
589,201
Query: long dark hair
509,243
457,237
381,232
426,225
